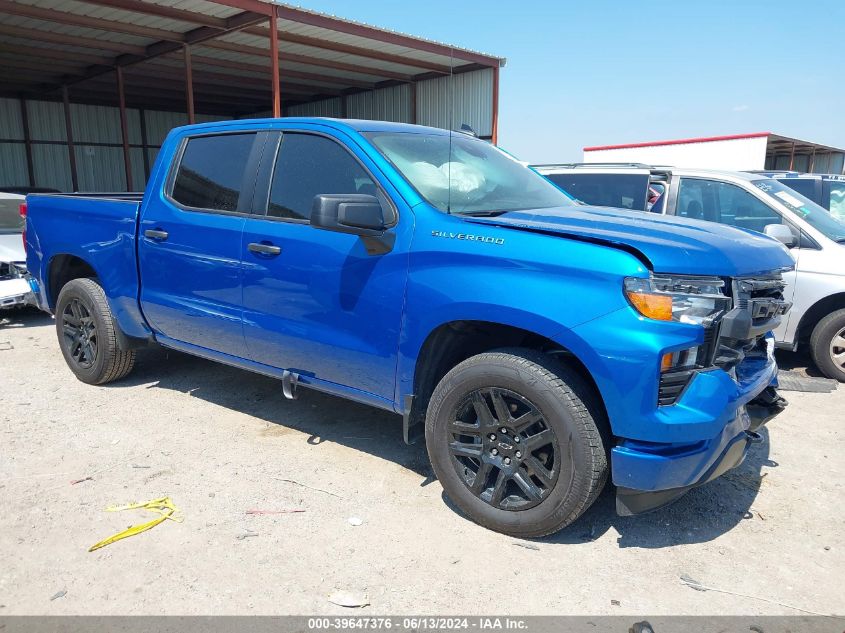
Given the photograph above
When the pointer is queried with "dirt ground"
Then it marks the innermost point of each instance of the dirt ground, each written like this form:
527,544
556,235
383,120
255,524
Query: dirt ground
221,441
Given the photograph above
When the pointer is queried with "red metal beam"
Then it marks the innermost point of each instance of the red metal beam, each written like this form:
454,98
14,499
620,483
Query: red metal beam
255,6
236,69
206,82
308,60
274,67
53,67
342,26
148,8
680,141
31,52
124,128
37,35
367,53
495,131
174,97
71,150
163,47
189,86
62,17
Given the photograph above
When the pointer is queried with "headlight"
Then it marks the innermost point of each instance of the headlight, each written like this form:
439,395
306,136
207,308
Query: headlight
694,300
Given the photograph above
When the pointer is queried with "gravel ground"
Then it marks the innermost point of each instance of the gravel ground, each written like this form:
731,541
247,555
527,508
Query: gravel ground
220,442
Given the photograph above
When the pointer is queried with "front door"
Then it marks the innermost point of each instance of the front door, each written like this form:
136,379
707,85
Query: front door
189,245
316,302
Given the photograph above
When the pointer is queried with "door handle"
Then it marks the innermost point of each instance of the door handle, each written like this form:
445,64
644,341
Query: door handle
156,234
264,249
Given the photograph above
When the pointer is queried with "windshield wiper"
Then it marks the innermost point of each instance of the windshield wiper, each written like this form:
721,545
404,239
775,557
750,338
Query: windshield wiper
480,214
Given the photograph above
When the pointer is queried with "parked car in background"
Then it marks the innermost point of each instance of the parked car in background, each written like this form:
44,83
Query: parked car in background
749,201
433,275
14,287
826,190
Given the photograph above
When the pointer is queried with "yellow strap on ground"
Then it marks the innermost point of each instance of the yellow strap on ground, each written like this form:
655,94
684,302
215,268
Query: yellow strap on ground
163,506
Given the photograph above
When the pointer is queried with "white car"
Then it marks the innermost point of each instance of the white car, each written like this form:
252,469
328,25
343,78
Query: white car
755,202
14,287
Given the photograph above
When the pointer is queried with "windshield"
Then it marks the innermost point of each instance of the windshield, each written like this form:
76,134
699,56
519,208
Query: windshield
816,216
10,217
476,179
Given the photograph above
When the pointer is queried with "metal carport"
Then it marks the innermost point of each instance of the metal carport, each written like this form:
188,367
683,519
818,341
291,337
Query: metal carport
90,78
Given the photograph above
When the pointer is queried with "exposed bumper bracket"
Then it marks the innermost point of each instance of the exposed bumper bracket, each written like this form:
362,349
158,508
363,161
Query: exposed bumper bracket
764,407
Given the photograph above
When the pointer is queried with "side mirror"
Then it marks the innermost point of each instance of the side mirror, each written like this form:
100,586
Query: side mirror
781,233
354,213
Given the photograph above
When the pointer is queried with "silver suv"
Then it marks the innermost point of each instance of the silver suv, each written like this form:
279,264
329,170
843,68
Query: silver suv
754,202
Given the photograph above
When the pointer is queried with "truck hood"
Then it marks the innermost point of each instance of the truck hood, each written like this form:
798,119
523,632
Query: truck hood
669,244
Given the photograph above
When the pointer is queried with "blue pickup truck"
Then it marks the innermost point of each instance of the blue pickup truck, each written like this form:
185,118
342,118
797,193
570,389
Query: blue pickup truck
538,345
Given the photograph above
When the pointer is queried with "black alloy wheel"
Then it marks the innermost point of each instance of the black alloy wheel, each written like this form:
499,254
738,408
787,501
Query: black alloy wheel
503,449
80,332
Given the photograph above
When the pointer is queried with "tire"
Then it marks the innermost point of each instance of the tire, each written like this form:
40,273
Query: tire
570,469
87,334
827,345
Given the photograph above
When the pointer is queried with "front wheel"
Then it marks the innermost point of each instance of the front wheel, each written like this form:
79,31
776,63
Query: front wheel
514,439
88,334
827,345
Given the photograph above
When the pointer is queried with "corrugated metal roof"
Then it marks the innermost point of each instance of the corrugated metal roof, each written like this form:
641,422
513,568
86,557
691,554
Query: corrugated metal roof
327,66
84,38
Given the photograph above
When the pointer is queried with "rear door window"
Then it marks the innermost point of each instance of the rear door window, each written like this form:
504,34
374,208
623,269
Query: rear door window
211,173
625,191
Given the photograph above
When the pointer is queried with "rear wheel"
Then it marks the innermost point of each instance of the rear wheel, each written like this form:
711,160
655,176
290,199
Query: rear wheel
87,334
514,439
827,345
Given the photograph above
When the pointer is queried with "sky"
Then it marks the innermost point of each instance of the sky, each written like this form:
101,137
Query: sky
596,72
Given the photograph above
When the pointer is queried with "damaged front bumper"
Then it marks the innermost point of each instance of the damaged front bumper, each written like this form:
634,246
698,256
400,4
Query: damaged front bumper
649,475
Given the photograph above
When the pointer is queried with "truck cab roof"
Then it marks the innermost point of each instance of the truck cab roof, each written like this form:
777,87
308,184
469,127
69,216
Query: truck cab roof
356,125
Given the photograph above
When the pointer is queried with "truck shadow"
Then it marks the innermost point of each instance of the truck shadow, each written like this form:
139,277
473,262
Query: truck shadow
700,516
322,417
24,318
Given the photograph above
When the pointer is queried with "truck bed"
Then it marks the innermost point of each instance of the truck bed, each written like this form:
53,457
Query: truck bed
99,229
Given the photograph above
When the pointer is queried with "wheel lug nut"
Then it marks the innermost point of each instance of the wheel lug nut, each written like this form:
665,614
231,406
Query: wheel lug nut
516,438
493,437
507,460
503,431
494,452
518,454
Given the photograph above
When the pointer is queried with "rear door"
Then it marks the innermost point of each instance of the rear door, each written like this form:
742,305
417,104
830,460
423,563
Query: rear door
189,246
317,302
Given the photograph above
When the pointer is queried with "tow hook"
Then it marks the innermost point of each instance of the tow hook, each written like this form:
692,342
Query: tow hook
764,407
